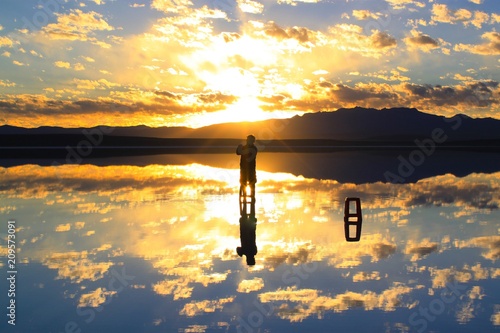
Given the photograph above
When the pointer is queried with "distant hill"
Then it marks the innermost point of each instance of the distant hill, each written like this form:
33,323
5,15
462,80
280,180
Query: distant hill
396,124
354,124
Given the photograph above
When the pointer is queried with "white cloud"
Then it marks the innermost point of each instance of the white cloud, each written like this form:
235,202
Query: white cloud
250,6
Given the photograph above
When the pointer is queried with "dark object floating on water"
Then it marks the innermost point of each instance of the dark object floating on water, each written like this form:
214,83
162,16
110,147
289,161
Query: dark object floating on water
352,219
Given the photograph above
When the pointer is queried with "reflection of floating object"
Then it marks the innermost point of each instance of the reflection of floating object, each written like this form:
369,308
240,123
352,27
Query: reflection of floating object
247,200
352,219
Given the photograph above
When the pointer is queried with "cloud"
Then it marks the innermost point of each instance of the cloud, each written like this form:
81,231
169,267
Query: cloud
196,308
179,288
79,67
19,63
350,37
62,64
300,34
392,75
79,225
422,42
478,93
366,276
441,13
491,47
491,243
365,14
247,286
6,41
94,84
495,317
250,6
78,25
294,2
311,303
7,83
402,4
76,266
170,6
479,19
421,249
95,298
63,227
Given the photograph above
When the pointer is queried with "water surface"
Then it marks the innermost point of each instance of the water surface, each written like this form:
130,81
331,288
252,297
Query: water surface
150,247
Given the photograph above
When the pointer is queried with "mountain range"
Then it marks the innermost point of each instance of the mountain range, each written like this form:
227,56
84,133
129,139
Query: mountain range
353,124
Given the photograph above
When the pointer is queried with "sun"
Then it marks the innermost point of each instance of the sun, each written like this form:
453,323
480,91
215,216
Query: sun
247,108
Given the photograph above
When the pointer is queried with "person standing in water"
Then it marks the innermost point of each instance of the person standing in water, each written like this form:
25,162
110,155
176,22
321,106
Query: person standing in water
248,152
248,222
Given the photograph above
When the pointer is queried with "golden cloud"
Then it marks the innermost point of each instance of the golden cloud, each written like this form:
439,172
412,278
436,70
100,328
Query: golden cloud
311,303
78,25
491,243
420,41
366,276
247,286
250,6
206,306
491,47
76,266
421,249
63,227
95,298
365,14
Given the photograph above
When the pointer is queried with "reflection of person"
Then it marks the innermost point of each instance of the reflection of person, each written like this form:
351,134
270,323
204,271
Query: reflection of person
248,226
248,154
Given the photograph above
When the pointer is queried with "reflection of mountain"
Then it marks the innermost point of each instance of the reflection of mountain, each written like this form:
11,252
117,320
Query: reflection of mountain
396,124
345,167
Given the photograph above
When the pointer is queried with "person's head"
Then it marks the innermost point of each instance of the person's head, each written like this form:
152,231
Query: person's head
250,139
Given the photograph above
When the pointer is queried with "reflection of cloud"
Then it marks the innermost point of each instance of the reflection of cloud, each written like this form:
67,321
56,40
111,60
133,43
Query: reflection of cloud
491,243
451,190
206,306
277,254
186,269
247,286
467,309
95,298
374,246
495,317
440,277
366,276
179,288
76,266
63,227
311,303
420,250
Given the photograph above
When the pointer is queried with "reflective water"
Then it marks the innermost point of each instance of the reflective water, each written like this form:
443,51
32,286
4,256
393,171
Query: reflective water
141,247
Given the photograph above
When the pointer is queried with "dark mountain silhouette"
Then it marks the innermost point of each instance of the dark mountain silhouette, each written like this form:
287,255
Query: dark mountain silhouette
355,124
396,124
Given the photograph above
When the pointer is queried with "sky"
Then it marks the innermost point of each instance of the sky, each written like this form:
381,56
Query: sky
193,63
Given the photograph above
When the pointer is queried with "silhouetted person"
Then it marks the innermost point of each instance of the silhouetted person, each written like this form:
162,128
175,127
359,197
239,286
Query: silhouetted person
248,226
248,158
248,222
